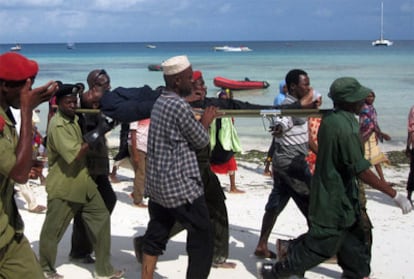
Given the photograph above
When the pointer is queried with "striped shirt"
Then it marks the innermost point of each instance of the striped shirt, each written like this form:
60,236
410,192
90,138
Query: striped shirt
172,173
294,141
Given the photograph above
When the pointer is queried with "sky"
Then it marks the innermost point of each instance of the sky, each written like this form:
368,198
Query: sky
48,21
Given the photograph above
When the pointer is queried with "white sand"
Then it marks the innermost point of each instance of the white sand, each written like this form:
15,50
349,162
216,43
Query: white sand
392,252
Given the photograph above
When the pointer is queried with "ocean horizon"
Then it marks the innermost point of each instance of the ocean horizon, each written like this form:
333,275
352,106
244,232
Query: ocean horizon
388,71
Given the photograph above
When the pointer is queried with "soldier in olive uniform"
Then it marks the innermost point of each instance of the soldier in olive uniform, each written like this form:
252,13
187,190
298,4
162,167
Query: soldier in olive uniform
71,189
337,224
17,74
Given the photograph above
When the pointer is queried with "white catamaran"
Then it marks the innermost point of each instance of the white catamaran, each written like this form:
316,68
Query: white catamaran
381,41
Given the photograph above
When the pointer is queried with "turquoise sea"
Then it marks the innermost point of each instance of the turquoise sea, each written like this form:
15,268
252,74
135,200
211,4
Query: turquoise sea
389,71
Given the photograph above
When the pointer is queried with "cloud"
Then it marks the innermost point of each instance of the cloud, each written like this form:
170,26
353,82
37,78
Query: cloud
9,23
323,12
68,19
407,7
31,3
61,25
117,5
224,9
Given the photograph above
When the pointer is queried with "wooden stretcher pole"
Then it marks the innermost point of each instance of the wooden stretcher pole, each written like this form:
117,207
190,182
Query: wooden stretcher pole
248,112
269,112
88,111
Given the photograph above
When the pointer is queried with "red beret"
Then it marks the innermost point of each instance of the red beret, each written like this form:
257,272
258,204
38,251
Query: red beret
197,75
16,67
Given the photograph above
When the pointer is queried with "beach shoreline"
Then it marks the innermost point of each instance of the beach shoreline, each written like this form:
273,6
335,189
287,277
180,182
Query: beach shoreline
251,145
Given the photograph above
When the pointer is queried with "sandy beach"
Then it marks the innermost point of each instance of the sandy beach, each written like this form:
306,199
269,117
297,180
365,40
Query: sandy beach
391,252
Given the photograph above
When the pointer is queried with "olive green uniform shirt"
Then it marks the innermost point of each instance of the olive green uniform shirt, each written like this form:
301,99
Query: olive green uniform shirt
10,219
68,178
334,202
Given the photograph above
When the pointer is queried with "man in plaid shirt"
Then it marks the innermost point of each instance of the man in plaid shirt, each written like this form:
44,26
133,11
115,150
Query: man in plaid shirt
173,183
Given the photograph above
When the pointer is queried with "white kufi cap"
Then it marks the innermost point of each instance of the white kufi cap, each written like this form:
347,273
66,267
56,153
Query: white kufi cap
175,65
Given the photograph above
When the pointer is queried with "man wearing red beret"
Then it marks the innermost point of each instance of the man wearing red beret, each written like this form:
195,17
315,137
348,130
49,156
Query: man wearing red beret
17,74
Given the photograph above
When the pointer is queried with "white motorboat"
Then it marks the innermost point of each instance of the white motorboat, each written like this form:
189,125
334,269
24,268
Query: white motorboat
381,41
17,47
231,49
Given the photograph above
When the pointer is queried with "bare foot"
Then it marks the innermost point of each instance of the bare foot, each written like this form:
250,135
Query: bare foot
332,260
236,191
114,179
140,205
265,254
224,265
38,209
267,173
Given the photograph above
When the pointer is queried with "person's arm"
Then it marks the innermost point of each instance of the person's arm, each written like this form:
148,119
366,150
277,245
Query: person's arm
385,136
308,102
193,130
134,149
208,116
82,151
368,177
312,124
312,145
371,179
29,99
52,110
271,151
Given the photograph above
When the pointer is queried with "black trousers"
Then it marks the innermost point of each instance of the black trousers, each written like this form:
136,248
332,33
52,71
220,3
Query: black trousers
81,244
194,218
410,182
215,200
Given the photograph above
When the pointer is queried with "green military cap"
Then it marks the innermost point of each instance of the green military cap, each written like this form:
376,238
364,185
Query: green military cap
348,89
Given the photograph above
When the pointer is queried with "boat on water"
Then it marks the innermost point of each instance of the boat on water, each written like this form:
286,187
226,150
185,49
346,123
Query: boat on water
231,48
70,45
154,67
381,41
239,84
151,46
16,47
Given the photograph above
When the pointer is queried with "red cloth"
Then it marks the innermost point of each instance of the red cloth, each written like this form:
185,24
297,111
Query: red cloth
230,165
16,67
37,139
197,75
2,124
313,123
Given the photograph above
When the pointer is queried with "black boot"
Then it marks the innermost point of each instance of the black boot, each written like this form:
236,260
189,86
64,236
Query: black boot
265,270
278,270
